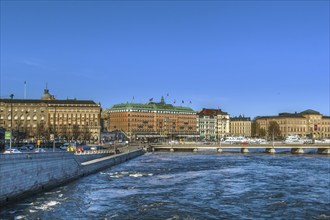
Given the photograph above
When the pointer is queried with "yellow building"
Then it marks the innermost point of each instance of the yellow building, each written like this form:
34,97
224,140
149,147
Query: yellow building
42,119
240,126
308,123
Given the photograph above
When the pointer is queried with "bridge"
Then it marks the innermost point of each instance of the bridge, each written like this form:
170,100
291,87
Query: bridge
244,148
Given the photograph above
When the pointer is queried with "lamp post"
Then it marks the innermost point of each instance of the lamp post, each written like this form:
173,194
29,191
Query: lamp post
54,129
11,120
273,137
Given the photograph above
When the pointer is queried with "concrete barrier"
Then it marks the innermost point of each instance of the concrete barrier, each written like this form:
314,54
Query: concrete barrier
23,175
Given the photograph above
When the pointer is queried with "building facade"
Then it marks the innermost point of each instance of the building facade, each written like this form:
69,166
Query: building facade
240,126
308,123
43,119
153,120
207,123
223,125
213,124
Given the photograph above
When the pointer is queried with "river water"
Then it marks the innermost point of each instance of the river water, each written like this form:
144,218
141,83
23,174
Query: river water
191,186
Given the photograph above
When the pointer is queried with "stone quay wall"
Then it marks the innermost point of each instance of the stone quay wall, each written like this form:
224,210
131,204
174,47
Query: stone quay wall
23,175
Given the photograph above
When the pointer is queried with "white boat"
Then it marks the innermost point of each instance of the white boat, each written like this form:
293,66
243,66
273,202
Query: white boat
235,140
261,141
293,139
323,141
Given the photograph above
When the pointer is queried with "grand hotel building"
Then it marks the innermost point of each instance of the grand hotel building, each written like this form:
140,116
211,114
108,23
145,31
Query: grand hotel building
153,120
48,117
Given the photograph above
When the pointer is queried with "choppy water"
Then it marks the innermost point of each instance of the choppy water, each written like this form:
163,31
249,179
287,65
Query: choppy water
192,186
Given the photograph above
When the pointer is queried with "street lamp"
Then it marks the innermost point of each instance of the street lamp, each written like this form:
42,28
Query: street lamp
11,120
54,129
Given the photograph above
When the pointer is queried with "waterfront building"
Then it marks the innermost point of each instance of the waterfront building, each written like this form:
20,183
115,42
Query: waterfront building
153,120
223,124
213,124
207,123
240,126
308,123
69,119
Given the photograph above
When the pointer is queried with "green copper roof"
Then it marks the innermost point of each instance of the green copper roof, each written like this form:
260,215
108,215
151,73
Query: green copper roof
310,112
152,106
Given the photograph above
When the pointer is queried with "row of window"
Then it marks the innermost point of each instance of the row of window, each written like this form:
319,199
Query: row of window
23,118
302,129
153,111
15,109
75,123
74,115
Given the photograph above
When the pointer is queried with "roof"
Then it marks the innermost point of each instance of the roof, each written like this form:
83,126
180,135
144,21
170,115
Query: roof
310,112
211,112
240,118
67,101
292,115
281,116
151,106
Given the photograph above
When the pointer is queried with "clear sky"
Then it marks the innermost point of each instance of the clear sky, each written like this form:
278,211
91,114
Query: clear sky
245,57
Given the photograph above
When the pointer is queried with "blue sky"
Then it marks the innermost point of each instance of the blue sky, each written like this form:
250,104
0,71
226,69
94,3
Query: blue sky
245,57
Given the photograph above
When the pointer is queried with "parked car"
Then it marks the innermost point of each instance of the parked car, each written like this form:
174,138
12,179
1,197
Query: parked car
97,148
23,148
83,148
71,144
64,146
171,142
12,151
26,147
39,150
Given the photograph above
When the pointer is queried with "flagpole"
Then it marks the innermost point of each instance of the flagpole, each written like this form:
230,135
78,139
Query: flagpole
24,89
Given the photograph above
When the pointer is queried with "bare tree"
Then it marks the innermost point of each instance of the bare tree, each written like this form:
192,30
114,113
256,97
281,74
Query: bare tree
273,130
41,130
86,133
75,132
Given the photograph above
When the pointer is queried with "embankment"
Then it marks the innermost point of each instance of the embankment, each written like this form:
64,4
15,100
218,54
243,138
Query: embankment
22,175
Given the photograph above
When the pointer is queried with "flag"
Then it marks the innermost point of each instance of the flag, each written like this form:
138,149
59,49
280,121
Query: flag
182,101
174,101
190,102
167,94
150,100
133,97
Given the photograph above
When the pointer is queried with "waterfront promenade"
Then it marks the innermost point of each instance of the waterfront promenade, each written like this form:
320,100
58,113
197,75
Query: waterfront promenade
25,174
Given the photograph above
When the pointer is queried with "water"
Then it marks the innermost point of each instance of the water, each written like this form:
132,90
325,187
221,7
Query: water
191,186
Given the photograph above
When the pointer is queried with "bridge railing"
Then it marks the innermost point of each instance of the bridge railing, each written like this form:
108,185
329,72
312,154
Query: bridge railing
95,152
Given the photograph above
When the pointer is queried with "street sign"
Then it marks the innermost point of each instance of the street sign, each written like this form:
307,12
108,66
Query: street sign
7,135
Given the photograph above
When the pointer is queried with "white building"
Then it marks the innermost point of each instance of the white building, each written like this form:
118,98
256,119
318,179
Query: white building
213,124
